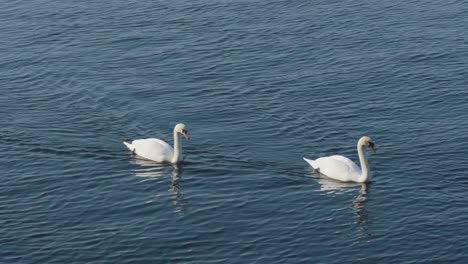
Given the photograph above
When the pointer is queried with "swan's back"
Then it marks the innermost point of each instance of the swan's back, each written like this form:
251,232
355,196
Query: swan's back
338,167
153,149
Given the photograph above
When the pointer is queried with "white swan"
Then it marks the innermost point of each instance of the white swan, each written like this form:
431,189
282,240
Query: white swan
158,150
343,169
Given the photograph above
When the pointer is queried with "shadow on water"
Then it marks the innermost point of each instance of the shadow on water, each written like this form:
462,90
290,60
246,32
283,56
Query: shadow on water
178,201
150,170
358,203
360,212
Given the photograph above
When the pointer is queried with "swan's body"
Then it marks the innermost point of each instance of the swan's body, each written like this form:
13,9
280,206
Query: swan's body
343,169
157,149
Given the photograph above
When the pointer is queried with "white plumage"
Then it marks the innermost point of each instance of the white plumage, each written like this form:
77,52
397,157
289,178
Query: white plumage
157,149
343,169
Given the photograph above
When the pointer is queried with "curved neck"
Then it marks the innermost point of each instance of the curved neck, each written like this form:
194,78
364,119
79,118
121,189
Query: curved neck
364,167
177,148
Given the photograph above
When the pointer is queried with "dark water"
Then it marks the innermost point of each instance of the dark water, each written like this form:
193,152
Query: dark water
259,84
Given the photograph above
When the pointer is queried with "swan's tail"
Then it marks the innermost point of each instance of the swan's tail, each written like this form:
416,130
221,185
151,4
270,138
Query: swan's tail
312,163
129,146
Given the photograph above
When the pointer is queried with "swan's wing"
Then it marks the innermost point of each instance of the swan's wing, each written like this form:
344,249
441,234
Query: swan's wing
338,167
153,149
348,162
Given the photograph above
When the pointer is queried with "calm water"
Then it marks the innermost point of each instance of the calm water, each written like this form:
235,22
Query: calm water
259,84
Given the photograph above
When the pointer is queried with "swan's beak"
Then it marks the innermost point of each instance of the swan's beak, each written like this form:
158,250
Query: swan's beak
185,134
372,147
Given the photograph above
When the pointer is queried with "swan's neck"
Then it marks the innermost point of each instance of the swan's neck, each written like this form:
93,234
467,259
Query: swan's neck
364,166
177,148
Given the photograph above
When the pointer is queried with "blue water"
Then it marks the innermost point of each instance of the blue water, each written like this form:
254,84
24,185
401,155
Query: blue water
259,84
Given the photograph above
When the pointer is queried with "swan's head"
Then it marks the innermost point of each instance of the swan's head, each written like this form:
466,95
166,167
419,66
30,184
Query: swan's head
180,128
367,141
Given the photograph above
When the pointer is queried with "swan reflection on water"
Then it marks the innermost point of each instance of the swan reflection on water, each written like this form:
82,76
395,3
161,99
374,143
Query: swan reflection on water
150,170
358,204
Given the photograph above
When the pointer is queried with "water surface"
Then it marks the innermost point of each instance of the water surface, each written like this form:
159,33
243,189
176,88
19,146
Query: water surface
259,85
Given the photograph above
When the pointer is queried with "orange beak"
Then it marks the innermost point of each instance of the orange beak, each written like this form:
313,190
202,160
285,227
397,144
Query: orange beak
372,147
185,134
